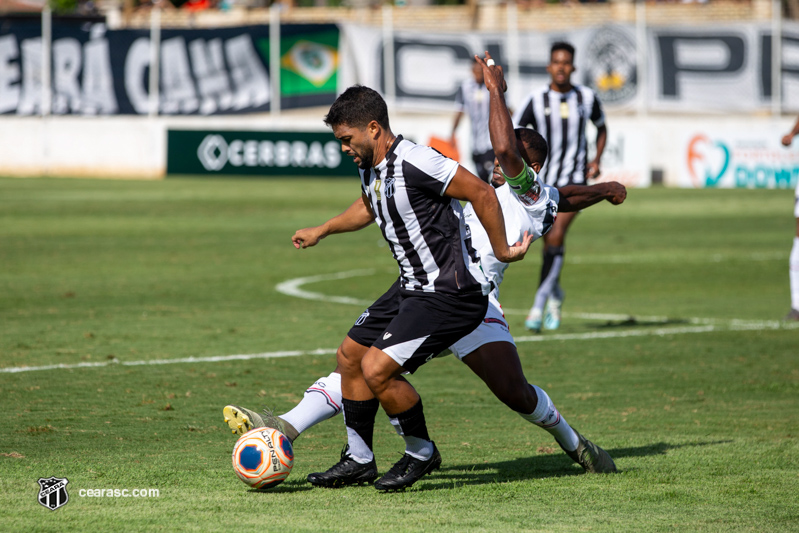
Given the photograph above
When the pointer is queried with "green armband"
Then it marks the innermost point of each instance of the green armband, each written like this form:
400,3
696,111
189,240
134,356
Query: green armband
521,183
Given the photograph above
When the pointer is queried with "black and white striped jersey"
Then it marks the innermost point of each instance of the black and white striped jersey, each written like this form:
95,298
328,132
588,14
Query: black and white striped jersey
473,99
561,119
425,229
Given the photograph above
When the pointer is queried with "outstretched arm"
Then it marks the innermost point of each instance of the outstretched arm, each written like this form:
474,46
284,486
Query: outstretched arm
357,216
577,197
794,132
500,124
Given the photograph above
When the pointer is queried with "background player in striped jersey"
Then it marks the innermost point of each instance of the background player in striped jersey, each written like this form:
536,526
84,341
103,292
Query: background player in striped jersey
560,112
472,99
794,258
489,351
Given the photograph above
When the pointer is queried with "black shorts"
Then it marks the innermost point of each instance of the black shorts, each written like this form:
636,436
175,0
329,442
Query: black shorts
412,327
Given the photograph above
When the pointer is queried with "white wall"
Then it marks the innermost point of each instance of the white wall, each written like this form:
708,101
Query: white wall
135,147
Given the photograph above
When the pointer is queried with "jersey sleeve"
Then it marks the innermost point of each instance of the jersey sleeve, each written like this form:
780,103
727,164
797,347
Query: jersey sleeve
597,114
525,116
428,170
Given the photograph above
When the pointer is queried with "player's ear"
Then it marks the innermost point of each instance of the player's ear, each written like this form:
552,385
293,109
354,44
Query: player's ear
536,166
374,129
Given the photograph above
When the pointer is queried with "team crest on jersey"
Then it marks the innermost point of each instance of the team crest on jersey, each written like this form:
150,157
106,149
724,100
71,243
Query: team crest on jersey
53,492
388,188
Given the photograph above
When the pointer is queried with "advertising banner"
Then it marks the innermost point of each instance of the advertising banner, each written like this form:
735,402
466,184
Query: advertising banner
256,153
690,69
96,71
737,157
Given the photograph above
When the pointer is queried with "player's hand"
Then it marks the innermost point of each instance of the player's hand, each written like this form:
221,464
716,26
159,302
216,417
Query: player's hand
493,77
592,170
518,250
617,192
306,237
786,141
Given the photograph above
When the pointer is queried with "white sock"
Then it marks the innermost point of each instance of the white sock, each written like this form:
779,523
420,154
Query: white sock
414,446
794,274
546,416
321,401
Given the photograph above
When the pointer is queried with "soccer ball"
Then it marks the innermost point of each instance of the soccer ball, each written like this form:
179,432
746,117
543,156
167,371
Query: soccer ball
263,457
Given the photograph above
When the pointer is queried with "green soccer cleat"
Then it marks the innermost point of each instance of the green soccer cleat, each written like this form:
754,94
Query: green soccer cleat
241,420
591,457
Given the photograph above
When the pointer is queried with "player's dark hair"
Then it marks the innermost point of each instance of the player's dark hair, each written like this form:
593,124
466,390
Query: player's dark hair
357,107
562,45
536,146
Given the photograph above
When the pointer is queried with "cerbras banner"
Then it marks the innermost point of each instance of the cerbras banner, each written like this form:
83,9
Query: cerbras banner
96,71
256,153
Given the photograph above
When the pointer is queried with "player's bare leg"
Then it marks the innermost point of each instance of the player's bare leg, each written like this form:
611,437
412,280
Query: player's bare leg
498,365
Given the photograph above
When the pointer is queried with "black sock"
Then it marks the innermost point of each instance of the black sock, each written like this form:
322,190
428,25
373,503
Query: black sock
412,422
360,417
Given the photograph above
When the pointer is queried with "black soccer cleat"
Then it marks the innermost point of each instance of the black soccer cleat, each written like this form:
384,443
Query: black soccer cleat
346,472
408,471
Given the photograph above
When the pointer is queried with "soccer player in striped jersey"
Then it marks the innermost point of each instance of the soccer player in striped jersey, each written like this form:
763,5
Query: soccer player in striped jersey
472,99
489,350
793,271
560,112
413,193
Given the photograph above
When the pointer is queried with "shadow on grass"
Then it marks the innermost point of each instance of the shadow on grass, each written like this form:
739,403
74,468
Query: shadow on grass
523,468
296,485
539,466
635,322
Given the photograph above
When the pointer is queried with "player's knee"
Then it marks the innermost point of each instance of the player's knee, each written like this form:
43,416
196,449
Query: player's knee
374,375
348,360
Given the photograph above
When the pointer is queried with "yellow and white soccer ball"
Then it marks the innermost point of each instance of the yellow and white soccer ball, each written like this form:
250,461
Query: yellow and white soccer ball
263,458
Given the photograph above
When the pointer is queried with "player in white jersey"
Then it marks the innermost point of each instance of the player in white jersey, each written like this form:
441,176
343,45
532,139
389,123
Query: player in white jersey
472,99
489,350
794,258
560,112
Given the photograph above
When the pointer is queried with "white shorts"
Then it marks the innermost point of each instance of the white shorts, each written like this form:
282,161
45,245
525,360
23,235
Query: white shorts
493,328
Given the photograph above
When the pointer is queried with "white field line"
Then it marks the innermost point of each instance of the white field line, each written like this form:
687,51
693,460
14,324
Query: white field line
670,258
211,359
594,335
293,287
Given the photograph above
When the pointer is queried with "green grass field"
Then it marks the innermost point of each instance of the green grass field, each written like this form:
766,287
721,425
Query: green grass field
671,356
